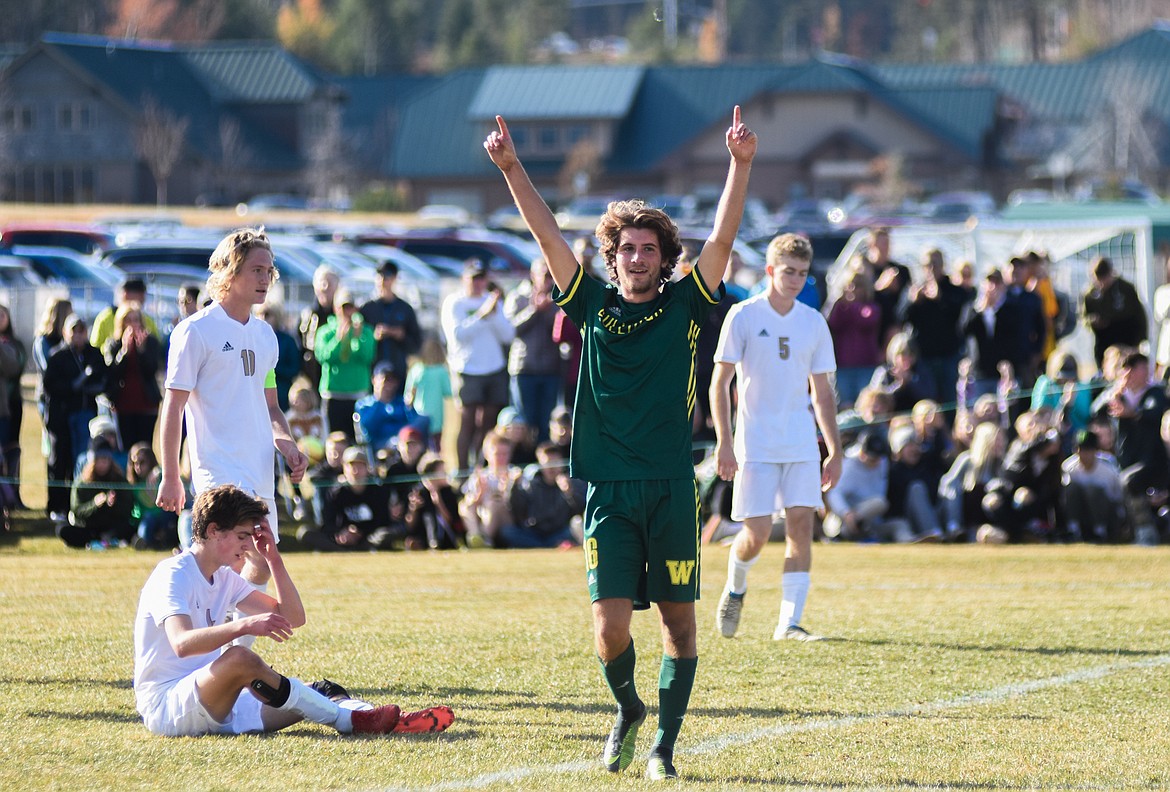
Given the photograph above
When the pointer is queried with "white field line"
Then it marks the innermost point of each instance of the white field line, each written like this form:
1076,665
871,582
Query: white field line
722,743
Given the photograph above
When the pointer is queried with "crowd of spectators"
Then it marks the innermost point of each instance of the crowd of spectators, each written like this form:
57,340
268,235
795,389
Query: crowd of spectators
967,417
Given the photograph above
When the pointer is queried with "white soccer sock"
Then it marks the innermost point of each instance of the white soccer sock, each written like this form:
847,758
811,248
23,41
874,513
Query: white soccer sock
737,572
312,706
354,704
794,586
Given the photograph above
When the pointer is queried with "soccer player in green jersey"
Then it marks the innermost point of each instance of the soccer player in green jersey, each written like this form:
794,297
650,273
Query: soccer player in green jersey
632,428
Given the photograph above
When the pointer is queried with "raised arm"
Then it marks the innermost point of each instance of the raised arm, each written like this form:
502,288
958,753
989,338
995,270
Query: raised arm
537,216
741,143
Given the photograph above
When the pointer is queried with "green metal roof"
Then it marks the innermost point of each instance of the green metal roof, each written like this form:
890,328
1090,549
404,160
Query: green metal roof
256,73
556,92
436,137
135,71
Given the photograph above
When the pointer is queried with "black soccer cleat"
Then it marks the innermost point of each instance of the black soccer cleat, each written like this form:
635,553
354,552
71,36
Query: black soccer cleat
330,689
661,764
619,748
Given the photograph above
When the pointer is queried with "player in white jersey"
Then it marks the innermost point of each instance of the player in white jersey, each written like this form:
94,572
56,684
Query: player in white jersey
221,376
777,348
189,682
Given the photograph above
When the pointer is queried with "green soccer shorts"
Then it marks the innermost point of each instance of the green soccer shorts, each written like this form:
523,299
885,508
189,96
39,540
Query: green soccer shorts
642,541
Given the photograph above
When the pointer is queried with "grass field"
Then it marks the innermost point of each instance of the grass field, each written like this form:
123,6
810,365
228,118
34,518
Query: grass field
950,667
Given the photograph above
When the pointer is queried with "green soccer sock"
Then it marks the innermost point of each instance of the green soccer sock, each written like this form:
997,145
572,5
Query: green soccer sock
619,675
675,680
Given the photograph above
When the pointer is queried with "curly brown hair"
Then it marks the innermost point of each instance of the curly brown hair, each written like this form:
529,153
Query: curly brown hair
225,507
636,214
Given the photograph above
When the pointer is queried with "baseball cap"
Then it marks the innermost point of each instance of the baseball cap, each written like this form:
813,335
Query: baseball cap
100,446
100,425
385,368
1088,440
873,444
508,416
353,454
408,433
73,320
900,438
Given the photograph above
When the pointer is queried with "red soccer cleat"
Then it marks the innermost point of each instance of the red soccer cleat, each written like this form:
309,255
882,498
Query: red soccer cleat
431,719
379,720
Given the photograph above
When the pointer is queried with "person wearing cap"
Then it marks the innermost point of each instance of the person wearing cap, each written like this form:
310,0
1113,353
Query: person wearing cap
633,415
534,360
1092,492
132,290
511,424
357,511
221,381
858,504
477,334
103,427
401,471
781,351
380,416
395,324
101,505
74,376
345,349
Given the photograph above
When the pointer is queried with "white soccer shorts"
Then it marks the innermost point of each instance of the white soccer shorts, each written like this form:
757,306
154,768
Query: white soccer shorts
180,713
764,488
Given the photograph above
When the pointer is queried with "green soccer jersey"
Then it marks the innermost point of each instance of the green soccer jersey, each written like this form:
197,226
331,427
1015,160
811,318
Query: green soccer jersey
636,387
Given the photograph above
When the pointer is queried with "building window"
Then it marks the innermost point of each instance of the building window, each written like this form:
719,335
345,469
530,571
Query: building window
73,117
519,137
18,118
576,133
548,138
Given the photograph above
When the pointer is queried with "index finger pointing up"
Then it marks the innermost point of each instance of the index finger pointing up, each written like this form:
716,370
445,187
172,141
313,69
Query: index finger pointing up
502,125
735,122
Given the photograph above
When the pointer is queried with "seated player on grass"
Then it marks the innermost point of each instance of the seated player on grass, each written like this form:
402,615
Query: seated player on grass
186,683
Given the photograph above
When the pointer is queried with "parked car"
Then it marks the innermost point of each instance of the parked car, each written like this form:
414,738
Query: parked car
504,254
91,286
167,265
85,239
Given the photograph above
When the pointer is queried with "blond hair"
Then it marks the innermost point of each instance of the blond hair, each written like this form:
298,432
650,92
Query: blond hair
228,258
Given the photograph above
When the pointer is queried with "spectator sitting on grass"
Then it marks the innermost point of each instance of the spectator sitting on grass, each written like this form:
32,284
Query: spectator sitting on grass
357,514
544,503
858,504
487,506
100,510
432,515
1093,493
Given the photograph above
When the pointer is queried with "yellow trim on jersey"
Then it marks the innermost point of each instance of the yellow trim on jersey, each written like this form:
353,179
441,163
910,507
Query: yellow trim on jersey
573,284
703,287
692,341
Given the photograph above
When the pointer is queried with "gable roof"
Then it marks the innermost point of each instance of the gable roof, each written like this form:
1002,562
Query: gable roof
257,73
437,138
129,73
531,93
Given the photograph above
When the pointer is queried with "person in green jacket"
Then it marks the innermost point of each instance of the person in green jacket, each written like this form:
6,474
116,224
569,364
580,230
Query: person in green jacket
100,510
345,348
